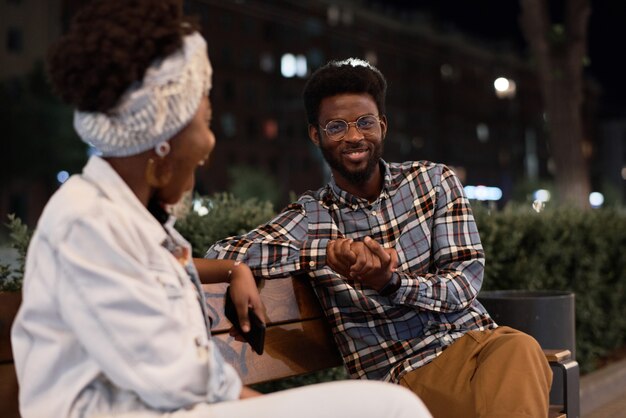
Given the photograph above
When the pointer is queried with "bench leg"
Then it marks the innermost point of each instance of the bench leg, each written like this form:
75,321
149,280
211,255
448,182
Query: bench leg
571,387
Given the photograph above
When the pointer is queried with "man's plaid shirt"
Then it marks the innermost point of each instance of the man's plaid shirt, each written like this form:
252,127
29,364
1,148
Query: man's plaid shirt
423,213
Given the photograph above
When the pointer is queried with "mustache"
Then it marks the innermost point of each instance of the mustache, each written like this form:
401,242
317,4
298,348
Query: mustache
355,146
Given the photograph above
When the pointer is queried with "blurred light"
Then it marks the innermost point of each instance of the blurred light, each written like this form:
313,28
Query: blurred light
62,176
288,65
483,192
301,66
542,195
267,62
228,124
596,199
539,205
482,132
199,207
587,148
447,72
332,15
501,84
270,128
505,88
624,173
371,57
551,166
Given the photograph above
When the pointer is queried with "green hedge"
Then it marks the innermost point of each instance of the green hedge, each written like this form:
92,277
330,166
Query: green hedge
559,249
565,249
219,216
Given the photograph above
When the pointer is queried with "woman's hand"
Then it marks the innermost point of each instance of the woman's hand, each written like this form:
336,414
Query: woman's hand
244,294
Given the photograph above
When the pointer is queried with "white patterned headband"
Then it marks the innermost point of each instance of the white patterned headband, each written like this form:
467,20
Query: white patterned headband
155,109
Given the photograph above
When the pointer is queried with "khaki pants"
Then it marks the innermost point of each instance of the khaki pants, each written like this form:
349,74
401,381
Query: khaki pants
494,373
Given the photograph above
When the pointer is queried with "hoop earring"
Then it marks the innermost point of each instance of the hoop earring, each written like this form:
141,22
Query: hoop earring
153,177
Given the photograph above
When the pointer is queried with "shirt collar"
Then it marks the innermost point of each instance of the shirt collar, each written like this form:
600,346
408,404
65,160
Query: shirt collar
100,173
343,197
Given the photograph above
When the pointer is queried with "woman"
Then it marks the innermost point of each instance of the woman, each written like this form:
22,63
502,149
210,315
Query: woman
113,320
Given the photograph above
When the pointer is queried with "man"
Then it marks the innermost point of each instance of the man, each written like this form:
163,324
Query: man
395,258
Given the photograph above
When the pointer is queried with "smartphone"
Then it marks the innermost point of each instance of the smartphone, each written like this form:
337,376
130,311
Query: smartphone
256,336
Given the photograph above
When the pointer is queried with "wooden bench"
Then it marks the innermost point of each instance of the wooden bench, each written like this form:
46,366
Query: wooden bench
298,341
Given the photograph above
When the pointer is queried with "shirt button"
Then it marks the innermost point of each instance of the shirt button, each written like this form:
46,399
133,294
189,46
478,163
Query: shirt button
373,213
311,263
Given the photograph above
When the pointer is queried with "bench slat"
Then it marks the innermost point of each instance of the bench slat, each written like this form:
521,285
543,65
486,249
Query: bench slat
8,391
286,300
555,356
290,350
9,303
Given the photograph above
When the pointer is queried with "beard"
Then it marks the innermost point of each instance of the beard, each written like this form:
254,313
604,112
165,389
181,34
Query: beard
358,177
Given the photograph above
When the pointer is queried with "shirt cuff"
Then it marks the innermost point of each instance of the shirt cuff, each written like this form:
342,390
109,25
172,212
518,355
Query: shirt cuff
392,285
313,254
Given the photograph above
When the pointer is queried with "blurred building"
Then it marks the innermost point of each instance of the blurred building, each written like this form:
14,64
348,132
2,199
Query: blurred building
443,104
26,27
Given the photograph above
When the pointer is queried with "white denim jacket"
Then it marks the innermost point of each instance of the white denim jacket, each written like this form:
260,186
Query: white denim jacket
110,321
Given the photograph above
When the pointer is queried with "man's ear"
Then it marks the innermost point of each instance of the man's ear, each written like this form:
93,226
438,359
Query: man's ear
383,126
314,134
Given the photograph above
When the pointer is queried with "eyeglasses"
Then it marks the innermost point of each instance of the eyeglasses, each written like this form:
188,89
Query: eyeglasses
338,128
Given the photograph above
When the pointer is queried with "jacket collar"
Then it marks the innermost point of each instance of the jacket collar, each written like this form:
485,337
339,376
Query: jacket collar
100,173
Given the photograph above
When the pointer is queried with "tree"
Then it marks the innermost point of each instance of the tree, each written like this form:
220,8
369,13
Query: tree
559,51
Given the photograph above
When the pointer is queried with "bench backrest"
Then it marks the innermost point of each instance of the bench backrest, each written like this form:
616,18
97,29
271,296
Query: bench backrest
9,303
297,338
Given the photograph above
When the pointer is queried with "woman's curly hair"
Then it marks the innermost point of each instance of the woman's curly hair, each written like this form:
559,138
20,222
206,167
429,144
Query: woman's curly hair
109,46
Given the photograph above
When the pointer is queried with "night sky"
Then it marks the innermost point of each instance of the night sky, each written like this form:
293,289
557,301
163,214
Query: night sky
498,20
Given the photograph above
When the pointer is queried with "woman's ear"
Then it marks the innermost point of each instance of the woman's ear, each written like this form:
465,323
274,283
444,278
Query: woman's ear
314,134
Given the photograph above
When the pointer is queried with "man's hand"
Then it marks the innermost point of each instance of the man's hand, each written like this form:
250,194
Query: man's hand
374,264
366,261
245,294
339,256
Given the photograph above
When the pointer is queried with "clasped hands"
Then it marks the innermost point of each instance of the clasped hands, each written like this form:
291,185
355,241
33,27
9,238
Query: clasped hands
365,261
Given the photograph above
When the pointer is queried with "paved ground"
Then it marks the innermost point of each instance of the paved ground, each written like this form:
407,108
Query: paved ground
603,393
614,409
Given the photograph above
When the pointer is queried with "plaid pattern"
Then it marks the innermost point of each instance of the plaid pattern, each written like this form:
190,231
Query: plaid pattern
423,213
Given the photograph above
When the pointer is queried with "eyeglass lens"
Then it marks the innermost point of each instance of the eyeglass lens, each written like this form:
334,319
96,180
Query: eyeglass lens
336,129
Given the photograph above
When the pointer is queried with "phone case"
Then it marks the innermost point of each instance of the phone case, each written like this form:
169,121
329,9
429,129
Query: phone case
256,336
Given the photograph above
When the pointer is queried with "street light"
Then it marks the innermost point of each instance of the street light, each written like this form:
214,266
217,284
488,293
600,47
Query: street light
505,88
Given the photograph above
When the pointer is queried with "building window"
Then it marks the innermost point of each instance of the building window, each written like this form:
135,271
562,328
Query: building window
229,125
15,41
